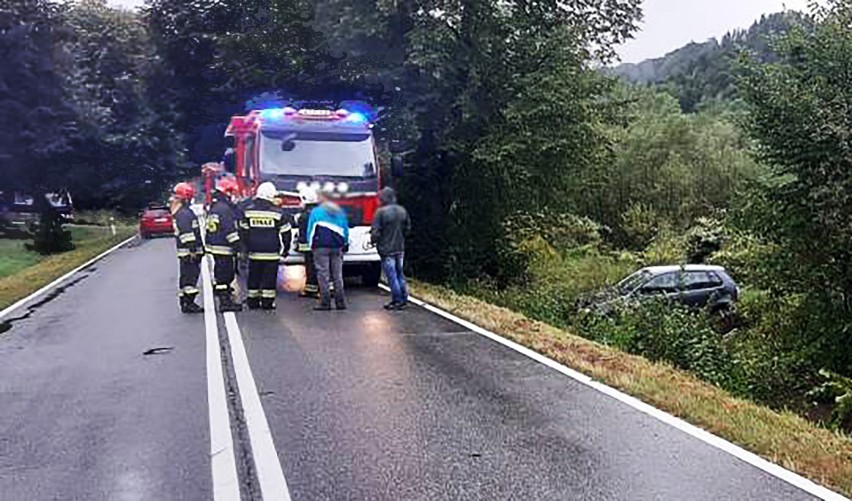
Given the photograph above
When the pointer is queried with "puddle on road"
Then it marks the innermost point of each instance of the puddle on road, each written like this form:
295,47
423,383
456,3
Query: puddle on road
6,325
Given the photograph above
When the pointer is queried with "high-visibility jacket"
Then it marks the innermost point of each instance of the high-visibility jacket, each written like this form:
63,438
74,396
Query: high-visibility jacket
222,227
268,231
187,232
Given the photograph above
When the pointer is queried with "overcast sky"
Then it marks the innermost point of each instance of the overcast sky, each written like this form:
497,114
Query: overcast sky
670,24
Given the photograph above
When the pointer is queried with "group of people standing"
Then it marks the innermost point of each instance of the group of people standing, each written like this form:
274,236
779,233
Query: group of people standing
258,229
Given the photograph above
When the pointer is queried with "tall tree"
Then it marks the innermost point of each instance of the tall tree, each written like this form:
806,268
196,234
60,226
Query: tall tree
127,151
37,123
800,114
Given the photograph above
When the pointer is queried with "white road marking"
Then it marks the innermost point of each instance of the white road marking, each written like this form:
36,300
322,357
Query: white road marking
61,279
705,436
226,485
270,476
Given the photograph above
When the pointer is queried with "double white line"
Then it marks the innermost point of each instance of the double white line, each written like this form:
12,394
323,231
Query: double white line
270,476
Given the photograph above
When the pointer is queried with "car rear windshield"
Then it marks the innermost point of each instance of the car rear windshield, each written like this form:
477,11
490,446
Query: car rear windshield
630,283
157,213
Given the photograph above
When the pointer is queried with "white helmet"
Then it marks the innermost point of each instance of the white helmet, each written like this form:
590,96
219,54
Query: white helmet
267,191
309,195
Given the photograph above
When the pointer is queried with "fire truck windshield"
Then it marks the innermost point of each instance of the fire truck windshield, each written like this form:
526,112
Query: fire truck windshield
311,154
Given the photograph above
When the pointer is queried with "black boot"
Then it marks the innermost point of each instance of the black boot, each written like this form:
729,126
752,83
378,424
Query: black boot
267,304
253,303
226,303
187,305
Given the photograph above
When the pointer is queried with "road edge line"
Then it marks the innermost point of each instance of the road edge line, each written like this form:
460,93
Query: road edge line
705,436
223,465
270,475
51,285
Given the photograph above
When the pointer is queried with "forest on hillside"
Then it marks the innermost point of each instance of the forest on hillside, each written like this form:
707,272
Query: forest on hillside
531,177
701,74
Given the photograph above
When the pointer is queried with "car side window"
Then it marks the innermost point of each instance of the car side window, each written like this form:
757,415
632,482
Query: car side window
664,283
700,280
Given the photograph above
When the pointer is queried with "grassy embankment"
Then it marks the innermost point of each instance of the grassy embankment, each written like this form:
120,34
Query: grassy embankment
781,437
23,272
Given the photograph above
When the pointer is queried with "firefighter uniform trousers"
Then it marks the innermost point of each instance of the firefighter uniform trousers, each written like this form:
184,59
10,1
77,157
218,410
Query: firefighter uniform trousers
262,281
224,273
268,238
311,284
190,270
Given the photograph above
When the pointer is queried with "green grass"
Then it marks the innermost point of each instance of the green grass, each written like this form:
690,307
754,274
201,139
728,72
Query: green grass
14,257
784,438
23,272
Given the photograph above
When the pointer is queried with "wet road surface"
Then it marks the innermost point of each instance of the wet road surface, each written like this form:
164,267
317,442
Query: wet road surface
362,404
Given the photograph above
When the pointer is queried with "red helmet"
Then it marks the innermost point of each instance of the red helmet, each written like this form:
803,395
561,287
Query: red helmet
228,185
184,191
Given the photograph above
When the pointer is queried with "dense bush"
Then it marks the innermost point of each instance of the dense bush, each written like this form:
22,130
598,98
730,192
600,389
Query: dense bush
49,235
663,331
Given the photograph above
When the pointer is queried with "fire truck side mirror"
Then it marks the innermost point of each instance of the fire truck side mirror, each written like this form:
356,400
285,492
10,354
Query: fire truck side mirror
397,166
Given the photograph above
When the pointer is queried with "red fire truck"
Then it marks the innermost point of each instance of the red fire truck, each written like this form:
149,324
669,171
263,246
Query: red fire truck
324,149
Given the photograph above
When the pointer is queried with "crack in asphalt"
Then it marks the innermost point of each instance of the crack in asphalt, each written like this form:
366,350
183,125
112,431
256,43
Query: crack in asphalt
158,351
6,325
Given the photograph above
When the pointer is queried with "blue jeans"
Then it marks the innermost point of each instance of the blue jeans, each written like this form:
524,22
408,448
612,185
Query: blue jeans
392,266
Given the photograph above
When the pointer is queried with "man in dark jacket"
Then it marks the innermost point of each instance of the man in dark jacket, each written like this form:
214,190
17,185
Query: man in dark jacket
189,247
328,233
223,240
268,240
310,199
390,224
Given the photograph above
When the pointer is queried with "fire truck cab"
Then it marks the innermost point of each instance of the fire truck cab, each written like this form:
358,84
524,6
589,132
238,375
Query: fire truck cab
323,149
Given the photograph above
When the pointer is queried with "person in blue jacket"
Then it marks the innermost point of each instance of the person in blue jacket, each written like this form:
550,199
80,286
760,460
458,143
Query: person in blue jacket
328,235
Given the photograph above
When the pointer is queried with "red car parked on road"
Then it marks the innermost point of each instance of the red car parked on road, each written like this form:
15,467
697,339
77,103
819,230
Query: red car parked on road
156,220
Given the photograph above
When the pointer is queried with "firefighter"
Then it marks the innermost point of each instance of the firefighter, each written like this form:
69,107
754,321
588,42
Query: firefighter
189,247
310,199
268,240
223,239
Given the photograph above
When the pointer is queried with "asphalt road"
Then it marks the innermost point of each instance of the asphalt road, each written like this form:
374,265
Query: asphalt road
362,404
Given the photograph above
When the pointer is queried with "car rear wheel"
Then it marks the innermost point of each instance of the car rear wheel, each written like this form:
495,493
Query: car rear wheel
145,236
724,318
371,275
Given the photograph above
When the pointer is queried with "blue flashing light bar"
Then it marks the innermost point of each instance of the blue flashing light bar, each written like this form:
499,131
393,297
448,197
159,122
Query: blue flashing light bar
341,115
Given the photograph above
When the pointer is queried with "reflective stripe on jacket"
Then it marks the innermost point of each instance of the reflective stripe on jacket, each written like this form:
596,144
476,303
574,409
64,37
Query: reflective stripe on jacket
302,219
222,228
187,232
267,230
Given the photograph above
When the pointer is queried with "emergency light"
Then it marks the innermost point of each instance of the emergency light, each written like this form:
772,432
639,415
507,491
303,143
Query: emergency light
312,114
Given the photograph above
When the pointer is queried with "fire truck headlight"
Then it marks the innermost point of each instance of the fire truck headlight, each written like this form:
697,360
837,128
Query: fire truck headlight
272,113
343,187
357,118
